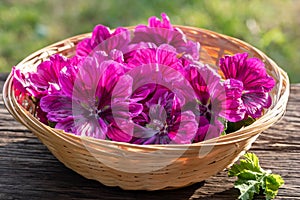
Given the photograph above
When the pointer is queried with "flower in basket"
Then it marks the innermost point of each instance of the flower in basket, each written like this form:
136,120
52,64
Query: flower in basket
146,86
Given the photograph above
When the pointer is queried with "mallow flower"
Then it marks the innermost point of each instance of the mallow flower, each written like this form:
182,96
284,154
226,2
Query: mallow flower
194,98
211,101
158,84
83,106
22,84
162,121
247,83
41,82
162,32
103,39
45,79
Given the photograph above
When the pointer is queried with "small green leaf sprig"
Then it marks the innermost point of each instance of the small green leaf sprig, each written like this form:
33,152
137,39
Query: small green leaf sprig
252,178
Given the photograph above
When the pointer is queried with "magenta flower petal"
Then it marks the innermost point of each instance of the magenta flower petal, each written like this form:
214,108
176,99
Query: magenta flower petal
67,78
164,57
164,23
142,92
232,65
67,124
83,127
120,135
203,127
121,124
135,109
159,36
45,80
235,110
22,83
255,102
84,47
103,40
208,129
99,34
190,50
93,76
199,85
214,130
92,127
116,55
57,107
187,131
258,79
110,77
19,80
123,90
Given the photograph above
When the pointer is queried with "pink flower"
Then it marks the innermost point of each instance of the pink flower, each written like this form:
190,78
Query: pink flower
162,121
162,32
84,104
184,100
247,84
210,97
21,82
103,40
45,79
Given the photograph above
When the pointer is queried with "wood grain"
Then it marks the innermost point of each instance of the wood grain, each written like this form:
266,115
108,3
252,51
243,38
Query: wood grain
29,171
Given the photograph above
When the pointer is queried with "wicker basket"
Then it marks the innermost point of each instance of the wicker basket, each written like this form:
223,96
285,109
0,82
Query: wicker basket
196,162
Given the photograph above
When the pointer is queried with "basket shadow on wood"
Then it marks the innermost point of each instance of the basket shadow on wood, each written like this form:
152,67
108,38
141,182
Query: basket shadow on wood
197,162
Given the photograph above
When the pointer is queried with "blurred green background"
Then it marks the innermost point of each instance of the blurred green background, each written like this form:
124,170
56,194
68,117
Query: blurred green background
270,25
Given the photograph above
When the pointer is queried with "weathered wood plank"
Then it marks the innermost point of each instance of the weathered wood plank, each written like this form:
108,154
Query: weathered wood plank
29,171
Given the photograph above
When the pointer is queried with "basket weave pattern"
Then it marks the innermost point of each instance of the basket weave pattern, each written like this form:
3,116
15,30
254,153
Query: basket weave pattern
81,154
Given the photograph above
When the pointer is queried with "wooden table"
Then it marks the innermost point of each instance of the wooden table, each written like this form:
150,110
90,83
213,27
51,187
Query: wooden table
29,171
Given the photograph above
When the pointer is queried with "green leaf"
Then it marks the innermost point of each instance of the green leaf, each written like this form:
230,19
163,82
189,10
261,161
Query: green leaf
248,189
249,183
249,175
235,170
234,126
250,163
253,162
272,184
252,178
51,124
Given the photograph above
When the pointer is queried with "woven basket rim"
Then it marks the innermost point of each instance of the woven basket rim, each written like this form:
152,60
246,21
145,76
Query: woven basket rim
233,137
